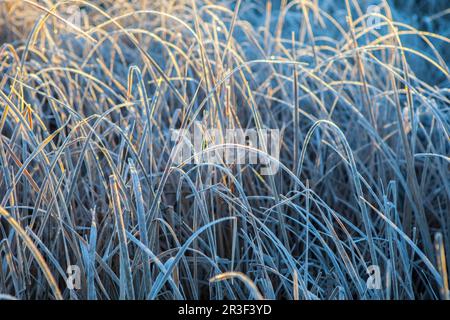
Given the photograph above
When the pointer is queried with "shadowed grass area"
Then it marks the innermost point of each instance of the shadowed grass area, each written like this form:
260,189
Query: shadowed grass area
90,92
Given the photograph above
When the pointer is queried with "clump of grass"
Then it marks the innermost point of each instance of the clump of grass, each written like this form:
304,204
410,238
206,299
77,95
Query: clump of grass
87,174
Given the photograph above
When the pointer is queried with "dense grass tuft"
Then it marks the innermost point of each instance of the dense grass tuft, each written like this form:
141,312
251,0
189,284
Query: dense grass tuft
87,179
